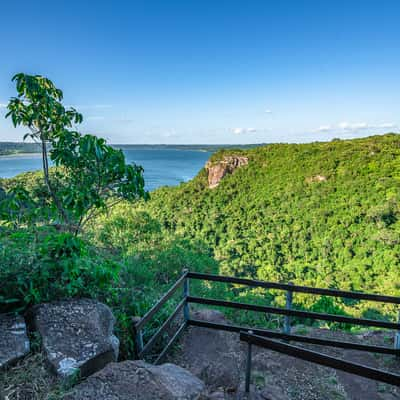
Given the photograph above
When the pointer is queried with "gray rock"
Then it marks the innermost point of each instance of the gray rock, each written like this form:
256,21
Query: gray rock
213,356
134,380
14,342
218,395
273,393
77,335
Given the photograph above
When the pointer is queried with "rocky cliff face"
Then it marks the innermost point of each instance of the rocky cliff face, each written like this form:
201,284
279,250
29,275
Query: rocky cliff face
218,169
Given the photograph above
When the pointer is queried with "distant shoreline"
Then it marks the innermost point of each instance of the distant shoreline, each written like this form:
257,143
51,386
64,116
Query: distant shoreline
20,154
16,149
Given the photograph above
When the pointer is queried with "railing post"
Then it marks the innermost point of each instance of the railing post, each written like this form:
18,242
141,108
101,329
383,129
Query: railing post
397,336
248,365
186,310
138,334
289,300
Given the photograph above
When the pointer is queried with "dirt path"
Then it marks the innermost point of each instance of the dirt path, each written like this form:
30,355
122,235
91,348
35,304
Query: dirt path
358,388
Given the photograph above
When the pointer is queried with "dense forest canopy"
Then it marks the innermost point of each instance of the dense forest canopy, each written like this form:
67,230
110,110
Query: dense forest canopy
318,214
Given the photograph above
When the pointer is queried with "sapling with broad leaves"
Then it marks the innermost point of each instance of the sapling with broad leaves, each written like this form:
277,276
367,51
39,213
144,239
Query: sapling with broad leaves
88,174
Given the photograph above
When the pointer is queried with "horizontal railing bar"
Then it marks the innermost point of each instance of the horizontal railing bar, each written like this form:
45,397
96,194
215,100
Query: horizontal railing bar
160,303
149,345
295,313
171,342
322,359
295,338
295,288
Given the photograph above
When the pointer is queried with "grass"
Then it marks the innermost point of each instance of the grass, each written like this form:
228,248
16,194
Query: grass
30,380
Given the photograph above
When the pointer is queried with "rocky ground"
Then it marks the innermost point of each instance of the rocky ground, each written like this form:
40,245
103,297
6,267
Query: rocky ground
218,358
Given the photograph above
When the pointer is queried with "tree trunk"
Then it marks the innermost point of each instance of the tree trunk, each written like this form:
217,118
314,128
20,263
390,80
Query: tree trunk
53,195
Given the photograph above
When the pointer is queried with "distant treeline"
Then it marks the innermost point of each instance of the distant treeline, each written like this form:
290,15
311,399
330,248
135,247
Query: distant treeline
7,148
196,147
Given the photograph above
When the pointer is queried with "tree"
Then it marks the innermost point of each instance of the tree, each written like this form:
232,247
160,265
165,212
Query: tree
89,175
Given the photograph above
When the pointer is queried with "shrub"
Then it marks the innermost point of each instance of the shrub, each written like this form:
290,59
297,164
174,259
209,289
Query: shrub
125,229
49,265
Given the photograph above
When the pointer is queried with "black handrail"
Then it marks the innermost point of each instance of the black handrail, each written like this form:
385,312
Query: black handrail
171,342
295,288
317,358
258,336
160,302
294,313
149,345
140,349
294,338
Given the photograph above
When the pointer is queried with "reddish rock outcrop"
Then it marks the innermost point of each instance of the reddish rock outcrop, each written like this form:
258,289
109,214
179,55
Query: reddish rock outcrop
218,169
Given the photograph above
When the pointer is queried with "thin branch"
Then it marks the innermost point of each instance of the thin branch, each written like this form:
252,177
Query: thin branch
95,211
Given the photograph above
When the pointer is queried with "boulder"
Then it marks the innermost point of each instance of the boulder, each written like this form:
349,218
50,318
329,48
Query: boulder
77,335
14,342
213,356
218,169
217,395
134,380
273,393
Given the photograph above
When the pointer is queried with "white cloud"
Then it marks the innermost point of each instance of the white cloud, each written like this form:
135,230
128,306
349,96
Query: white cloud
354,127
170,135
3,105
359,125
268,111
387,125
343,125
239,131
324,128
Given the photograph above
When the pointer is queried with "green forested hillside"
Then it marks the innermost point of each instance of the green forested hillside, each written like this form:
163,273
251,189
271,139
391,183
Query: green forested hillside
319,214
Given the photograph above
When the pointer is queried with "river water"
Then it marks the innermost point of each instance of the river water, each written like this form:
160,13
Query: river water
162,166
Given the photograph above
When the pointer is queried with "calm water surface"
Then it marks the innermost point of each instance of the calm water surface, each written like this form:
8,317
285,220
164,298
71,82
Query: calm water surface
161,166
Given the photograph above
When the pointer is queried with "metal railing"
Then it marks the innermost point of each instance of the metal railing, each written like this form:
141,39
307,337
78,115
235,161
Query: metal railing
256,334
314,357
142,350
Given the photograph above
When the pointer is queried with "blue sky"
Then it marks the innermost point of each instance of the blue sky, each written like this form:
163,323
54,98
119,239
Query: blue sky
211,71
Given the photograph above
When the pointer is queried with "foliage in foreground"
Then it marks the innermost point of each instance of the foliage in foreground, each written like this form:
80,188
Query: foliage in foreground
124,261
89,175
